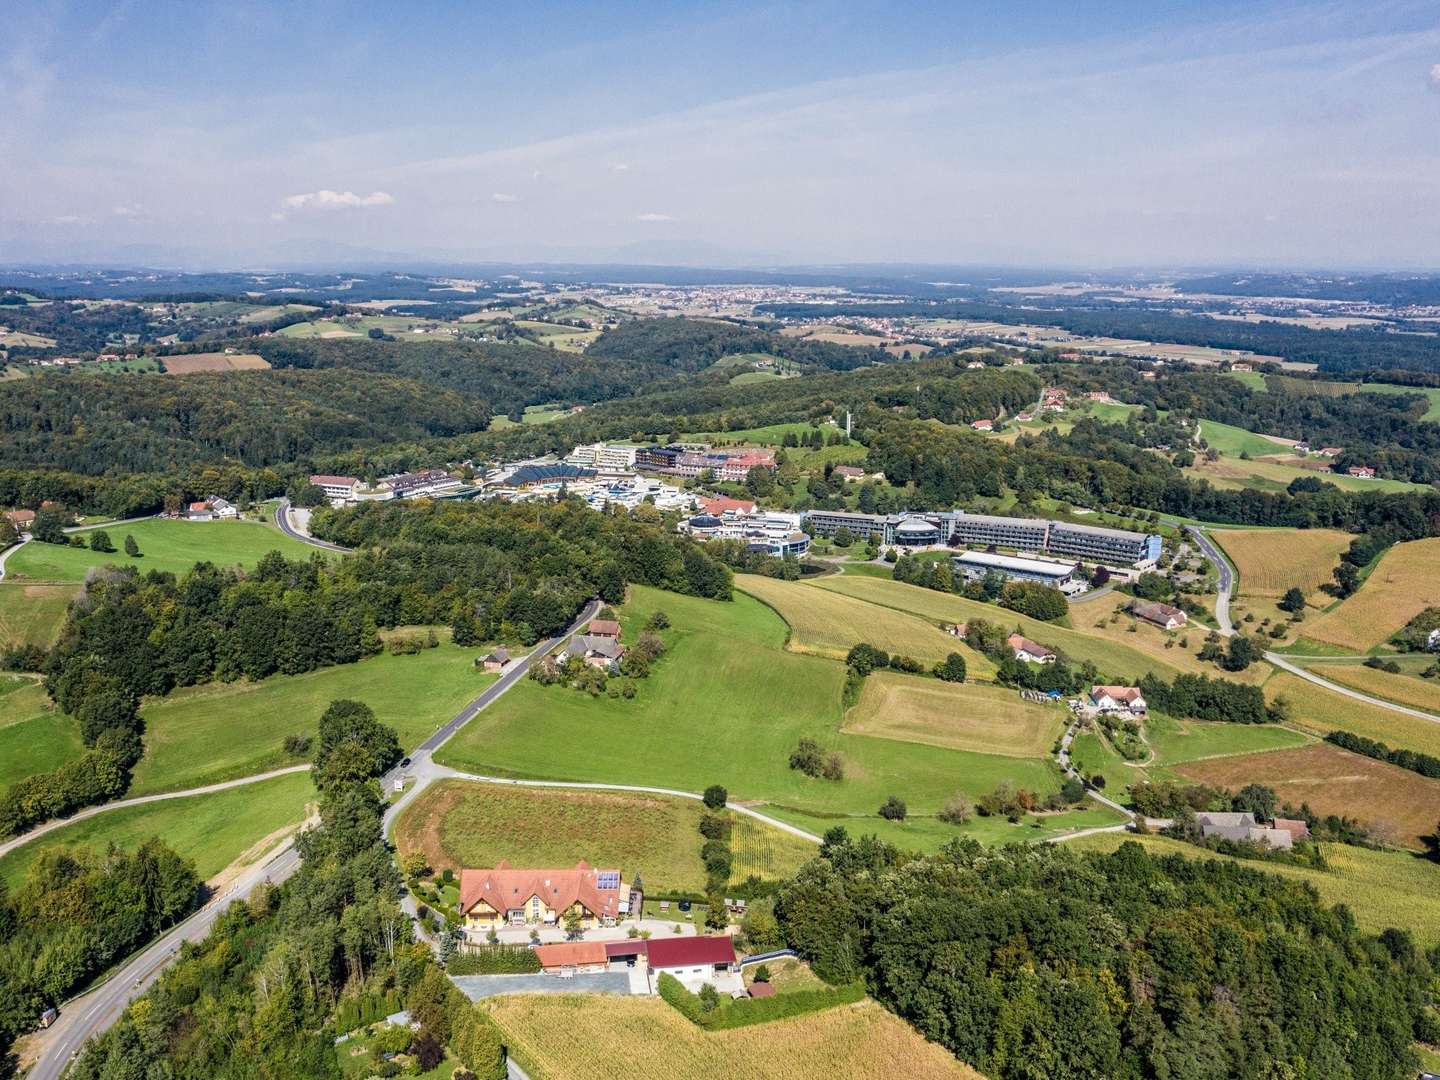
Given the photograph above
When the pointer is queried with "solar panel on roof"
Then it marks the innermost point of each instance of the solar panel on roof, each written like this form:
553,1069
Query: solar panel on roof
609,879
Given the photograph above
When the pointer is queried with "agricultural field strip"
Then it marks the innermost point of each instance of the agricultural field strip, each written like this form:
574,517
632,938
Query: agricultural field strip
1335,688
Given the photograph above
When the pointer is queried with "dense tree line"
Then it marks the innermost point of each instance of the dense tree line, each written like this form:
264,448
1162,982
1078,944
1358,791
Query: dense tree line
1331,350
1040,962
1199,697
101,424
1424,764
694,344
256,998
77,913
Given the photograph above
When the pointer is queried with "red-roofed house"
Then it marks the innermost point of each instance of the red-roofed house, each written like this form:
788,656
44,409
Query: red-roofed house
983,425
1027,652
570,957
1117,699
336,487
20,518
720,506
506,896
849,472
604,628
1361,472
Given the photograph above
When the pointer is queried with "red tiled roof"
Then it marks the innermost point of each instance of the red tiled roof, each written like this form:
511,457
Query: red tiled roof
1118,693
604,628
618,950
1297,829
564,953
20,517
321,480
506,887
718,506
199,506
691,951
1018,641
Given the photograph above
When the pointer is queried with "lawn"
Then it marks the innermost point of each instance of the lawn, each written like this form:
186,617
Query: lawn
1120,655
1381,888
1403,583
220,731
581,1036
1402,806
725,705
828,623
1271,561
32,613
458,824
985,719
1176,741
1406,689
1323,711
215,830
165,544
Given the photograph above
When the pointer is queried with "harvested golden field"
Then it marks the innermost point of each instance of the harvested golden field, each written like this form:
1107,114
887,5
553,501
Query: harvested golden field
1406,581
579,1037
1323,711
828,624
1402,806
961,716
195,363
1273,560
1406,689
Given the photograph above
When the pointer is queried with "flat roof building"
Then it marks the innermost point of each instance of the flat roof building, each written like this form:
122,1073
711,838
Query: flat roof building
978,564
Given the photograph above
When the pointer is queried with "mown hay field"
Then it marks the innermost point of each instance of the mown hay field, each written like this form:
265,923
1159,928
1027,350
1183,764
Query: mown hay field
986,719
199,363
459,823
827,623
1406,689
1322,711
34,735
1270,561
1176,741
1406,581
579,1037
32,614
1402,806
1381,888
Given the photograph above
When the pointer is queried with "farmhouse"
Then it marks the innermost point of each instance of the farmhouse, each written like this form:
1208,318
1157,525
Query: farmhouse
983,425
20,518
599,652
1330,451
1242,827
1112,699
849,473
1361,472
493,663
1161,615
567,958
507,896
342,488
1027,652
692,960
604,628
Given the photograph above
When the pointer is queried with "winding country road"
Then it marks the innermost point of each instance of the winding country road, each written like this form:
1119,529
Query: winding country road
286,526
1227,578
1309,676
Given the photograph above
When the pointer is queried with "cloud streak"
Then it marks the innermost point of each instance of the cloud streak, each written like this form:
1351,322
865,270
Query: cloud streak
325,199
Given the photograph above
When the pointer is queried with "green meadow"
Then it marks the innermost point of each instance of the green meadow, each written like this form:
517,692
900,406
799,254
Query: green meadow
214,830
34,736
1235,441
220,731
164,544
1177,741
726,704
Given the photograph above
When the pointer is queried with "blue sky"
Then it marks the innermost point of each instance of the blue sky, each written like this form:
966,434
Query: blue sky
1062,134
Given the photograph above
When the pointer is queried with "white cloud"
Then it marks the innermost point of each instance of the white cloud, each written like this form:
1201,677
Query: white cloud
72,219
125,211
653,217
620,167
501,196
1435,78
326,199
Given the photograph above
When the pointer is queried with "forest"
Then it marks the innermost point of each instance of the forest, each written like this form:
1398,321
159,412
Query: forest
694,344
1035,961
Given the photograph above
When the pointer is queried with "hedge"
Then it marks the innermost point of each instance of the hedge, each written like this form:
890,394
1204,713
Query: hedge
747,1011
474,1039
494,960
1424,764
365,1009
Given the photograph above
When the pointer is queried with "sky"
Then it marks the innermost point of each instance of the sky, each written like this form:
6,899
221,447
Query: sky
1087,135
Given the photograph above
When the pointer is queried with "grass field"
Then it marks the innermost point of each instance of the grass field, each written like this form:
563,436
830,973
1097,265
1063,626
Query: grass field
32,613
1253,379
215,830
1235,441
1406,581
579,1037
175,546
457,823
1113,650
1273,560
34,735
1402,806
1176,741
828,623
725,705
198,363
986,719
1230,473
1405,689
1322,711
533,414
1381,888
220,731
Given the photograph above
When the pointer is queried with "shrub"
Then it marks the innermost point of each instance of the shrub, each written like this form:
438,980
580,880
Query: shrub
714,826
812,761
762,973
297,745
893,809
951,669
658,621
957,810
709,998
715,796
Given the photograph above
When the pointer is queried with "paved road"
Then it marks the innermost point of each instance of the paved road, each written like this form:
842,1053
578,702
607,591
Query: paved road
94,1012
140,800
1092,594
282,522
4,555
1227,579
1309,676
1067,767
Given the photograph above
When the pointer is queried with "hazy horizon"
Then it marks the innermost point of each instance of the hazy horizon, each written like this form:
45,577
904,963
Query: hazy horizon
1118,137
